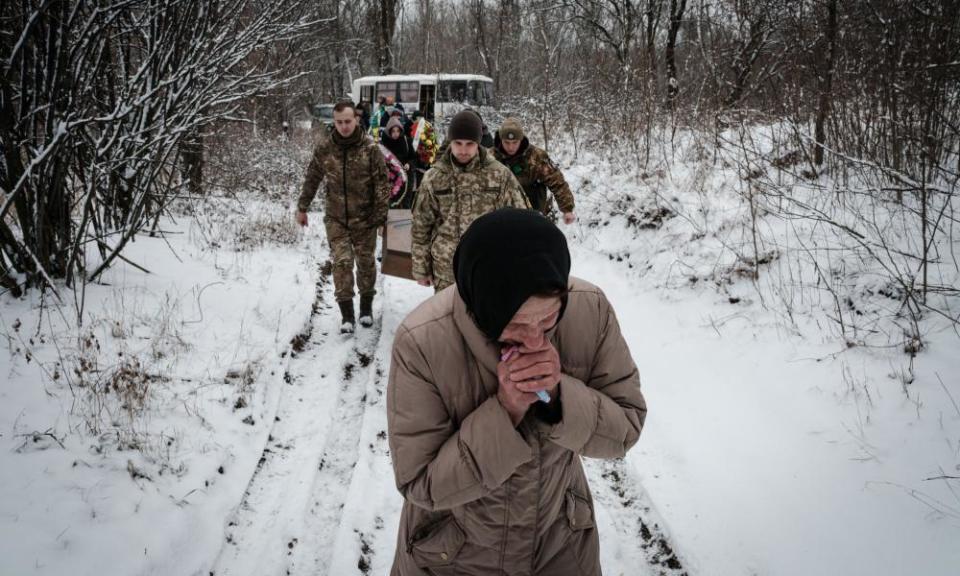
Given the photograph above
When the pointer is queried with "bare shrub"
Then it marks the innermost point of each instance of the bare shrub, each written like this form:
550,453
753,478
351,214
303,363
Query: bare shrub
109,395
260,229
266,166
259,178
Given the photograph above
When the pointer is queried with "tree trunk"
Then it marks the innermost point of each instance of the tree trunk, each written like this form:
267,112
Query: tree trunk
746,58
480,35
341,54
191,153
677,8
387,25
653,20
826,58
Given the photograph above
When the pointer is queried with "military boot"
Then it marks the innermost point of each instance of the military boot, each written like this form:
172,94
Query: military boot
346,311
366,310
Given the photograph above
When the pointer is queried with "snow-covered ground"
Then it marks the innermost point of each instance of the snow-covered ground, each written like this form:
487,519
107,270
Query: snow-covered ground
772,446
201,342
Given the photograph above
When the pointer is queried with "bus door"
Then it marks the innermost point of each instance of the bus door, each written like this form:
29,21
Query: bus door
366,94
428,96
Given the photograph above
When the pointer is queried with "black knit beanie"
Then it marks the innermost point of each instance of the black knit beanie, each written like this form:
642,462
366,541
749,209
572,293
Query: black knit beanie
504,258
465,125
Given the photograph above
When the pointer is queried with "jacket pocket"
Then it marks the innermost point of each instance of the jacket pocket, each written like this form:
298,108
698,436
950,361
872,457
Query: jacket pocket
446,201
364,204
436,544
579,511
488,200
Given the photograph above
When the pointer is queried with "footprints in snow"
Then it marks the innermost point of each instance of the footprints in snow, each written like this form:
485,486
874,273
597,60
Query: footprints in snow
364,563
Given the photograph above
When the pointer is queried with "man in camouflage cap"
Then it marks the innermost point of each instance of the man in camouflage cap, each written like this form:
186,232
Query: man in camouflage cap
464,184
355,205
534,170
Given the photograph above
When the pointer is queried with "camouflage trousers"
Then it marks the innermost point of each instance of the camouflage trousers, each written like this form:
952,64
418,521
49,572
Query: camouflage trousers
346,247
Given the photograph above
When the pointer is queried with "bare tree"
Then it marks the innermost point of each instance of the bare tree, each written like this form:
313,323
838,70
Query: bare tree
827,54
480,37
509,59
755,26
677,8
651,16
614,23
386,12
97,101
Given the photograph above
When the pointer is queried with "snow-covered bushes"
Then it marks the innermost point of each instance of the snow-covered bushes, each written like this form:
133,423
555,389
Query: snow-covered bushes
91,145
738,206
254,181
241,160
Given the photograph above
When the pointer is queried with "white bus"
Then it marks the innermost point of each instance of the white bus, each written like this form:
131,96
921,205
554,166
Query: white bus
435,95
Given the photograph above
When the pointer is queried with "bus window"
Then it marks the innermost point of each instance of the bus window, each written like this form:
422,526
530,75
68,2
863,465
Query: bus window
452,91
488,92
386,89
409,91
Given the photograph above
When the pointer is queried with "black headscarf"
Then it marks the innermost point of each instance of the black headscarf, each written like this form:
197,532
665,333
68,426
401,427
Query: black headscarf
504,258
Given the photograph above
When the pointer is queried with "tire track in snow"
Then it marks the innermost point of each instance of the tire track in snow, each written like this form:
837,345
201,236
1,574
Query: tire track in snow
633,536
264,532
335,473
631,531
634,541
366,536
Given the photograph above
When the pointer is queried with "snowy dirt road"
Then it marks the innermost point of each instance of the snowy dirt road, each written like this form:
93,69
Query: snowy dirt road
323,500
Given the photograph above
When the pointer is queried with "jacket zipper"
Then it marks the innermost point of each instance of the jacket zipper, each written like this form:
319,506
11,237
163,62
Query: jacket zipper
459,214
346,208
459,210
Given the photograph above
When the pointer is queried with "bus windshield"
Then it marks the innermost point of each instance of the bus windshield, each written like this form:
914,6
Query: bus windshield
452,91
476,92
480,92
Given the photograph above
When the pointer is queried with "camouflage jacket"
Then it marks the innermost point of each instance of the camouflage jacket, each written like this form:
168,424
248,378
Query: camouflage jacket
449,199
357,186
536,173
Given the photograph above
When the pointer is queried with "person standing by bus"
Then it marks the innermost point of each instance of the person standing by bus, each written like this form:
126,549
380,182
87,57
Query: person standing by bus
378,114
363,115
388,109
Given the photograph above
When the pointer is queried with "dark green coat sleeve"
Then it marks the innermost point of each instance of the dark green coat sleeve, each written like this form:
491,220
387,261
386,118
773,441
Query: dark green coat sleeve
312,179
549,174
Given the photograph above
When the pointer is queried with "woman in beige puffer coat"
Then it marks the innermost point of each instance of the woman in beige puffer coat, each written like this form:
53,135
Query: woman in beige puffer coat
489,488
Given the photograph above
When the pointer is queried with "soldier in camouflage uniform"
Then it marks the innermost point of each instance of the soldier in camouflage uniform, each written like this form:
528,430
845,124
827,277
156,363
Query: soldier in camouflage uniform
355,205
534,170
464,184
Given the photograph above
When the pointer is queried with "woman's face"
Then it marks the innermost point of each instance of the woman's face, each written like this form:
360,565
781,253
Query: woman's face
529,326
395,133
